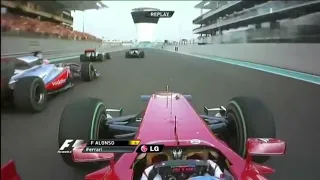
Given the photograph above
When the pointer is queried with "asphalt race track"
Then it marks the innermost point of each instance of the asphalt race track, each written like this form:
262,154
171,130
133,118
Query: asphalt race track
31,139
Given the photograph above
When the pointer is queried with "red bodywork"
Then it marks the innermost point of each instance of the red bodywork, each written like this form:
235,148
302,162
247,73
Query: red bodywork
160,114
9,172
59,81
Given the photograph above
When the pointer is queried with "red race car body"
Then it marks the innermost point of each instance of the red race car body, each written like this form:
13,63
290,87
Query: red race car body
9,171
177,125
188,141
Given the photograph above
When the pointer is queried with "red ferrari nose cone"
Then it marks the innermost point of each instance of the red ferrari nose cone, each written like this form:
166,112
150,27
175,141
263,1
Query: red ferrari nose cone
166,94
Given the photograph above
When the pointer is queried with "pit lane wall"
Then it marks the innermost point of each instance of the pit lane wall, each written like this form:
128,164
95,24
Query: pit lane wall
16,45
297,57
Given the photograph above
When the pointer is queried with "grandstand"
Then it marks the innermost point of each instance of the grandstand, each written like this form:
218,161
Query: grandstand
258,21
44,18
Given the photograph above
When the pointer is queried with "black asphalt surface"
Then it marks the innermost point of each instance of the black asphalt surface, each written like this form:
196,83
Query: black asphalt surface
31,139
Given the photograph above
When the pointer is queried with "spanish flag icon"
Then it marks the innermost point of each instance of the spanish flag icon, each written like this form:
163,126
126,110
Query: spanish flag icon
134,142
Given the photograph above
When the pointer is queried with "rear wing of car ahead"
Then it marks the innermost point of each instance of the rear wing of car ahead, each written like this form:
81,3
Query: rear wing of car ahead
36,53
147,97
90,50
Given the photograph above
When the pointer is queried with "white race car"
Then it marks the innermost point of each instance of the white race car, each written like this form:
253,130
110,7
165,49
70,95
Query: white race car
135,53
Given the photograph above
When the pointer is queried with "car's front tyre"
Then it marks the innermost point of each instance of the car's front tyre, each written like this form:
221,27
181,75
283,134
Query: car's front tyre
84,120
83,58
248,118
87,72
127,55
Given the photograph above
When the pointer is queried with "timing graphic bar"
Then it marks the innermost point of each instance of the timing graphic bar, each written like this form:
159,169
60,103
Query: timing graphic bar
111,146
110,149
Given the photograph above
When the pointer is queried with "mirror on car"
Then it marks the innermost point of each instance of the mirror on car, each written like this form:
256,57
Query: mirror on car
265,146
79,156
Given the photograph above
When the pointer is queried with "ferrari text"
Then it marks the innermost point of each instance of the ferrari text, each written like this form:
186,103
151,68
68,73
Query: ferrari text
90,149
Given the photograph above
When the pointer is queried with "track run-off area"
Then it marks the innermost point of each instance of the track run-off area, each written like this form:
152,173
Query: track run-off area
31,139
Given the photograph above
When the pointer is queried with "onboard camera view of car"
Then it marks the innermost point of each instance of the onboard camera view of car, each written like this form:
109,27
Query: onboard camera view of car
160,90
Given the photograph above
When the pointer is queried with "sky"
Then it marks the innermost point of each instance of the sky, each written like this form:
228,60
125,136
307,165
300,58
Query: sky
116,22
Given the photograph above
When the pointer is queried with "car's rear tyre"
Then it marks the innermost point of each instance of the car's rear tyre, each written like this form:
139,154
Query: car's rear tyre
87,72
142,54
83,58
82,119
107,56
30,94
100,57
92,59
248,118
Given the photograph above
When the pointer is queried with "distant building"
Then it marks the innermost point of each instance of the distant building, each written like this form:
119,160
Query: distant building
231,16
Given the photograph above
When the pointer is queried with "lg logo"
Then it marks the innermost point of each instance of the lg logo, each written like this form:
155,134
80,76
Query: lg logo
149,148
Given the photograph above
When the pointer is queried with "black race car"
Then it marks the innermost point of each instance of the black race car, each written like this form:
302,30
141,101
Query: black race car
91,55
135,53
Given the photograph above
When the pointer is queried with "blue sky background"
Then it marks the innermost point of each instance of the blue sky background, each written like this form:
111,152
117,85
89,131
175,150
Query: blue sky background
115,22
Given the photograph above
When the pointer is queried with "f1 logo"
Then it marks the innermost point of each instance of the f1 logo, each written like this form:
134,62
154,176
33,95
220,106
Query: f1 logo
67,143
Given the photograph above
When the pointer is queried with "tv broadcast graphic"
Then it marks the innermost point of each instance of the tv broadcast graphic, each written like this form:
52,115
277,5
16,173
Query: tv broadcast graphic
150,148
69,145
158,89
108,146
111,146
160,14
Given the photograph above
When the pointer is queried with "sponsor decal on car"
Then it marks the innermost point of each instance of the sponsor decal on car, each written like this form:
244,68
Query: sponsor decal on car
195,141
59,82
